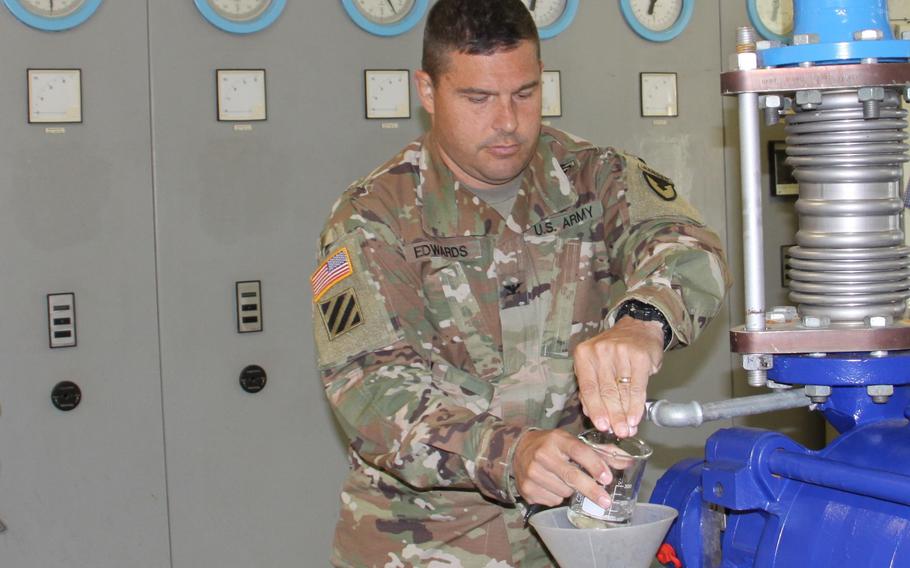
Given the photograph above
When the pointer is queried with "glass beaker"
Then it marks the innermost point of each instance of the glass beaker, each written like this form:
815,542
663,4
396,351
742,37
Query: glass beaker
626,458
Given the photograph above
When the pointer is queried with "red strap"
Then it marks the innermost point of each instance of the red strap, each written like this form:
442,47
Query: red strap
666,554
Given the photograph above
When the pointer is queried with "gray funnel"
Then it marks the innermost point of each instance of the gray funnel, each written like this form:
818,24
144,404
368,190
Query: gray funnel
631,546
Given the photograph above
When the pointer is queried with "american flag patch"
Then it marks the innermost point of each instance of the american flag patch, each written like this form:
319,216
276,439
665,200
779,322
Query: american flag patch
335,269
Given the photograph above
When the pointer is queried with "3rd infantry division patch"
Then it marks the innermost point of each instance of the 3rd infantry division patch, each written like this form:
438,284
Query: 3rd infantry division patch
341,313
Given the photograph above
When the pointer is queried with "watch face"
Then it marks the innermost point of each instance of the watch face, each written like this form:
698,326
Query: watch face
52,8
239,10
656,15
384,11
545,12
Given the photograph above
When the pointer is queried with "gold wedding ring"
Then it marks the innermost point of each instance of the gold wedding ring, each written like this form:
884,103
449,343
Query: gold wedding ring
624,380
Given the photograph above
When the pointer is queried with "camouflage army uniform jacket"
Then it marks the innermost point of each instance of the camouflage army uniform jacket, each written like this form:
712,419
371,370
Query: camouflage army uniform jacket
444,332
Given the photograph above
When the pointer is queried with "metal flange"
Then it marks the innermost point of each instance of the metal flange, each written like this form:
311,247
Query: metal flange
793,337
789,79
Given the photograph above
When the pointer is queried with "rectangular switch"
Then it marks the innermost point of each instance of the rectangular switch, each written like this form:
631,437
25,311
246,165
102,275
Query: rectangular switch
61,320
249,306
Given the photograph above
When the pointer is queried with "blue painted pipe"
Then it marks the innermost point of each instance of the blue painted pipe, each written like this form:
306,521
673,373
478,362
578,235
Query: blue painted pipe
875,483
837,20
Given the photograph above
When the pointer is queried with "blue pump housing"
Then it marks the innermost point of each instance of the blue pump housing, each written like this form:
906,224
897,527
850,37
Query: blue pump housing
760,499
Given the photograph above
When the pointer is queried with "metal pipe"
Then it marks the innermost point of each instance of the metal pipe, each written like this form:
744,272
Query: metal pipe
878,484
750,164
680,414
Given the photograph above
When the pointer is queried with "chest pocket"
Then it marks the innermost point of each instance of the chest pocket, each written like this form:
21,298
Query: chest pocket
577,295
456,293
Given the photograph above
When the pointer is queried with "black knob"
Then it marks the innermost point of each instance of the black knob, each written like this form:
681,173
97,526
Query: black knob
253,379
66,395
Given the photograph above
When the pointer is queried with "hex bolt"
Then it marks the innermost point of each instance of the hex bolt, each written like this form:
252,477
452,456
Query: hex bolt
880,393
868,35
818,393
783,313
770,105
764,44
879,321
816,322
871,97
805,39
808,100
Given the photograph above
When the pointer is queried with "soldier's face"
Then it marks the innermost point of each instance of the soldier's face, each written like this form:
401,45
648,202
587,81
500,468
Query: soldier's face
486,113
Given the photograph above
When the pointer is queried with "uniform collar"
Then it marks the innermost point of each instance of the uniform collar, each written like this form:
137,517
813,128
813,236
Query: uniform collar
450,210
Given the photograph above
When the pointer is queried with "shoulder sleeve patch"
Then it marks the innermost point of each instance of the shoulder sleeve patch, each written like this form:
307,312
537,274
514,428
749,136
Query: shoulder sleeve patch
652,195
350,316
333,270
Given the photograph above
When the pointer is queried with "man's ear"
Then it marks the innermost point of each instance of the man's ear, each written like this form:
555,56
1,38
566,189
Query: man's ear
424,84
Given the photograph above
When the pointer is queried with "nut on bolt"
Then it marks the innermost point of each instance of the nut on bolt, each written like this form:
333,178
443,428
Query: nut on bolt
880,393
805,39
879,321
808,99
816,322
868,35
747,61
870,94
818,393
757,362
782,314
764,44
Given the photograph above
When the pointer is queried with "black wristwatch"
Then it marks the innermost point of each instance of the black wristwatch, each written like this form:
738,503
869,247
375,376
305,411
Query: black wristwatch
645,312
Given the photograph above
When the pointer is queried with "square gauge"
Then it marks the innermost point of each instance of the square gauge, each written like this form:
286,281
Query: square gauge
387,93
54,95
658,94
551,93
241,94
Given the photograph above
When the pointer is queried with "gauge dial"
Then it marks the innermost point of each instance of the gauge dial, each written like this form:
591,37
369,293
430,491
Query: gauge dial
240,16
657,20
386,17
239,10
384,11
52,8
545,12
772,18
656,15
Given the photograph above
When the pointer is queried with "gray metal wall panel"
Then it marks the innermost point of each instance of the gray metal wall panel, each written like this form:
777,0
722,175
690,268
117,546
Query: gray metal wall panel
84,488
254,479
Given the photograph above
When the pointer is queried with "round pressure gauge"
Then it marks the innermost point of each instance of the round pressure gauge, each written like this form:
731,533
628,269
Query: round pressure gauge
773,19
552,16
240,16
657,20
52,15
385,17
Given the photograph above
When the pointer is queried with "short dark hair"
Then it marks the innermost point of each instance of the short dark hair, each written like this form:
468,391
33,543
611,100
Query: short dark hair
474,27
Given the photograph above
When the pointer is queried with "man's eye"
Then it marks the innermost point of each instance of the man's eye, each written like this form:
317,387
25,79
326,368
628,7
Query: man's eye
524,95
479,100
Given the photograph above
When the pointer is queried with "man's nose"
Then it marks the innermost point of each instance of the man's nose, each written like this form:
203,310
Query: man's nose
506,116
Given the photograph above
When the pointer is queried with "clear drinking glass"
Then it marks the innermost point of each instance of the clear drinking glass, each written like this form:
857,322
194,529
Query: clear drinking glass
626,458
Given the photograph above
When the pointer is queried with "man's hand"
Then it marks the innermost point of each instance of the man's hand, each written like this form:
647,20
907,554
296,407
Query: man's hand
613,369
544,473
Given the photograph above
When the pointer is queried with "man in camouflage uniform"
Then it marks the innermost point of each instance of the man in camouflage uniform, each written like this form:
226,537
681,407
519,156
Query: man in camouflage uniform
461,335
